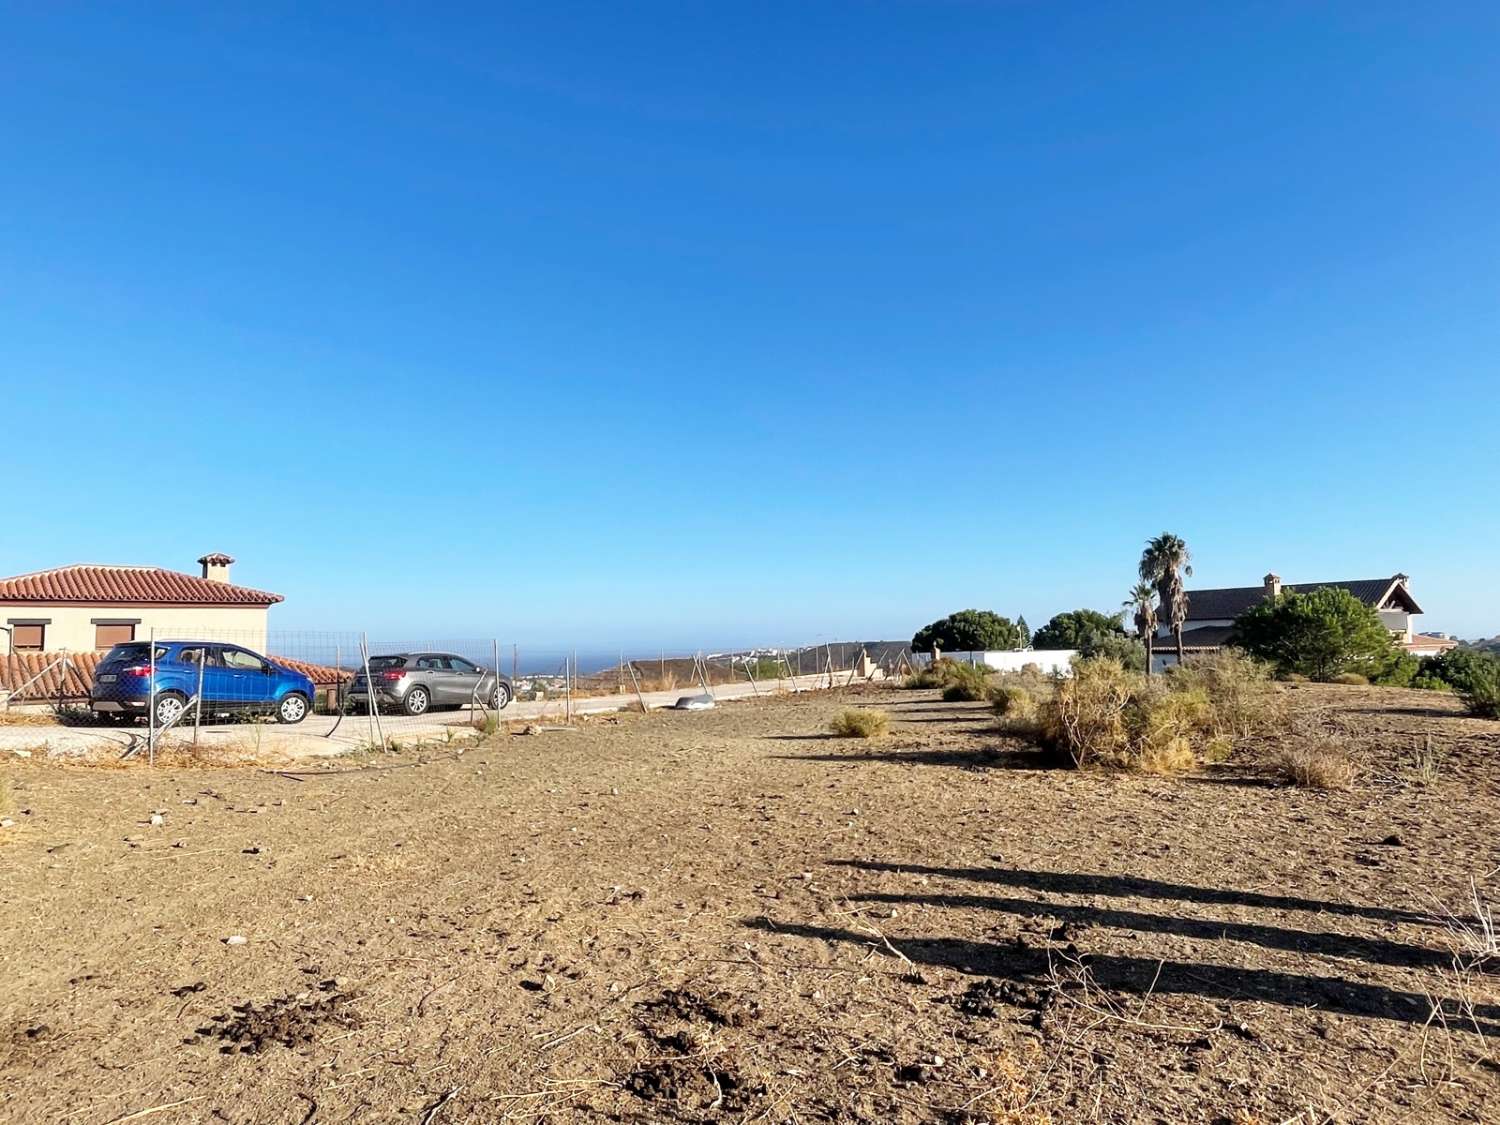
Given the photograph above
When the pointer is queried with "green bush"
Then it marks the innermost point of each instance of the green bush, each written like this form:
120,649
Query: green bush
1092,634
1454,667
1321,634
1424,682
855,722
1481,692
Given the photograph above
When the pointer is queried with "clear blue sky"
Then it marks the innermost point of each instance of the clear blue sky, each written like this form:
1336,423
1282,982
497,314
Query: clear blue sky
703,323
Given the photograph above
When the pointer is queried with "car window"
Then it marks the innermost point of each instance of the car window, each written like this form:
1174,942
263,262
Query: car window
429,663
459,664
380,663
245,661
194,654
137,652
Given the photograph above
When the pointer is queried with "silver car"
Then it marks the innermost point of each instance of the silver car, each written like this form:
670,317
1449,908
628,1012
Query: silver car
417,682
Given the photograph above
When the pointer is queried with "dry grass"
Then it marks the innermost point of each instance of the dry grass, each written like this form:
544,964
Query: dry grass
965,683
1014,702
1351,679
1324,766
1244,700
856,722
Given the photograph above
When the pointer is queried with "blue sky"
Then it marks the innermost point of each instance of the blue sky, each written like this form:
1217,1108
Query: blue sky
705,323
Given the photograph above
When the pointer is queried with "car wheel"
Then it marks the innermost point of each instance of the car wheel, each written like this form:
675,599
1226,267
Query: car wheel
169,707
501,699
417,701
292,708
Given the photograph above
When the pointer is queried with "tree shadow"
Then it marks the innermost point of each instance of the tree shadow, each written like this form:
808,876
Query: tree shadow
1131,886
951,719
984,758
1420,712
1146,976
1376,951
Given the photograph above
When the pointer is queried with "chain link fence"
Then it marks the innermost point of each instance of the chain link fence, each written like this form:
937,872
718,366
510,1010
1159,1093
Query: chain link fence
349,686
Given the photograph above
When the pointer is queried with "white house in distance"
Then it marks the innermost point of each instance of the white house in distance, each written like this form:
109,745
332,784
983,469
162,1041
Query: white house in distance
87,607
1211,614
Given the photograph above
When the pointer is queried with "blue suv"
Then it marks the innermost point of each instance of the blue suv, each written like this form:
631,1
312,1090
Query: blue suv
235,681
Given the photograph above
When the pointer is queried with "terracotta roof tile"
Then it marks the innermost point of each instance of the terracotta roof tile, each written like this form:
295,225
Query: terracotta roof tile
89,584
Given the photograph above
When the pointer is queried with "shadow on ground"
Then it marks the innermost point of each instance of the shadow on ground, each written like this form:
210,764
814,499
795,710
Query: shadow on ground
1017,960
1003,758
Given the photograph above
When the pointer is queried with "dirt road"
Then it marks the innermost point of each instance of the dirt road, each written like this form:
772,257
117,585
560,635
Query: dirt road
727,916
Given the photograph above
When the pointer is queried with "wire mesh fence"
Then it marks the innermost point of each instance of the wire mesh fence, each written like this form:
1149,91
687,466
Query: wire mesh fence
351,686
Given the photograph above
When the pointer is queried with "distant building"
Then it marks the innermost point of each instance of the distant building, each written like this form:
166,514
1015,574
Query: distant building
1211,613
88,607
1431,644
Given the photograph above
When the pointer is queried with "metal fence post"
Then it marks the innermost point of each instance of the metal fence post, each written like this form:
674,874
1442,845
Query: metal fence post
364,655
151,701
198,699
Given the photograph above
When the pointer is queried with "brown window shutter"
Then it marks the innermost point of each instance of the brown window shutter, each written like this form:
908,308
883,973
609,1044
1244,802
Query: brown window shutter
106,636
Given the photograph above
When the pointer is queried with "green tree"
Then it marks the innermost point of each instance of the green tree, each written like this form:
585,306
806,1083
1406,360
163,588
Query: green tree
1025,631
969,630
1093,634
1319,634
1143,601
1456,667
1077,628
1163,563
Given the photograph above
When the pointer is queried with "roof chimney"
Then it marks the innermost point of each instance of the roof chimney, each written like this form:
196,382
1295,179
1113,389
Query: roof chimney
216,566
1273,587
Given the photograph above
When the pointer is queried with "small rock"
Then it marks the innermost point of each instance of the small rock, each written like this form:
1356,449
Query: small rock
22,753
236,939
1392,841
157,820
6,822
614,792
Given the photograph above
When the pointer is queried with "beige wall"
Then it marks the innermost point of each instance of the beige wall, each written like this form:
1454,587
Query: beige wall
72,626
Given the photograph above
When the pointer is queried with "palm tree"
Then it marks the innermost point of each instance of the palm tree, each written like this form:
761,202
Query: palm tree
1143,600
1164,562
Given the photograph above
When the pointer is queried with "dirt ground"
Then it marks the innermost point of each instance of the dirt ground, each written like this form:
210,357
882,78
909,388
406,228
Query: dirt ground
727,916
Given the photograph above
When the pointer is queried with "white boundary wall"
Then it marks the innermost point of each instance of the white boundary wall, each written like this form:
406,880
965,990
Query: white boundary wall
1048,660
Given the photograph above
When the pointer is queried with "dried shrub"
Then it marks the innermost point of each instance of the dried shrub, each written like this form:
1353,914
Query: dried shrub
1322,766
1351,679
856,722
1107,716
938,674
1014,701
1242,699
1084,721
967,683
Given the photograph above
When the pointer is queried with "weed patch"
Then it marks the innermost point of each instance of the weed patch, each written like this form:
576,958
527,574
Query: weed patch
854,722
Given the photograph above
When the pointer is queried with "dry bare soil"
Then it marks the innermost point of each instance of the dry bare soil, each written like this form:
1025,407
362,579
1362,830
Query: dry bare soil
727,916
